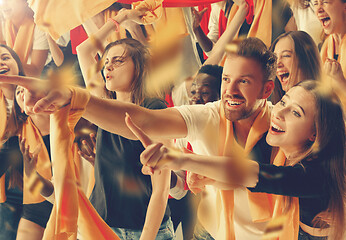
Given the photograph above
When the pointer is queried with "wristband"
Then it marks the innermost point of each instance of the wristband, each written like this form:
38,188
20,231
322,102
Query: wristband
115,23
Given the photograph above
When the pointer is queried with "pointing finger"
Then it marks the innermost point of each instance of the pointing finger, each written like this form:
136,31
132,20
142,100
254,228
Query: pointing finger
146,141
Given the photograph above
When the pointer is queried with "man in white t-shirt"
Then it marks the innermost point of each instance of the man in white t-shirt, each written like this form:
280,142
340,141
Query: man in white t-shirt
246,84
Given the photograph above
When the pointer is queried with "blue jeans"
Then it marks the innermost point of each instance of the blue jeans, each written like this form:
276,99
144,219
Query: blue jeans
10,215
200,233
166,232
305,236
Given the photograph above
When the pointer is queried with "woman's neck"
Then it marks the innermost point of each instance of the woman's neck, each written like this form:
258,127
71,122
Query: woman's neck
293,156
42,122
124,96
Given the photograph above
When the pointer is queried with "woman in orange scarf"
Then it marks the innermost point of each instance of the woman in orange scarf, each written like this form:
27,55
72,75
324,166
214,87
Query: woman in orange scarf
24,37
11,185
308,127
36,210
298,60
332,15
35,147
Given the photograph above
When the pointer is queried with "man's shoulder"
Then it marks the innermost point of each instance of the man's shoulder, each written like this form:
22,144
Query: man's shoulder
211,106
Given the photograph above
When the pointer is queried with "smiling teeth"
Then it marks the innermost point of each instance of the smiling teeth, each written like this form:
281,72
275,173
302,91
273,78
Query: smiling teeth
277,127
3,71
230,102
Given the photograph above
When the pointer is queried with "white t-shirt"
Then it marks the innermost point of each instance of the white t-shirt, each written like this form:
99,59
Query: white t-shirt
308,22
202,123
213,25
40,42
9,105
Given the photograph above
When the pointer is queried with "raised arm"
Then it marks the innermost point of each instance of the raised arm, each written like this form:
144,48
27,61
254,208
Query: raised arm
38,59
229,34
203,40
88,50
57,54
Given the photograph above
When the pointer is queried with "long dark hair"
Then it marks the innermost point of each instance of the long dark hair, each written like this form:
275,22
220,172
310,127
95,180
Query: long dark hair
329,148
308,60
140,57
16,58
15,121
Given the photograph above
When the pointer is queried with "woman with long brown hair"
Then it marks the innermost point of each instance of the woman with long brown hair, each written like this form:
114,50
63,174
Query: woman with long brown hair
332,16
36,210
298,59
308,127
11,168
130,203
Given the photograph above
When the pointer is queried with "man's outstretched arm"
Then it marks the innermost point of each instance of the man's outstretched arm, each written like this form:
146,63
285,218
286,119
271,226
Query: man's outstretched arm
109,114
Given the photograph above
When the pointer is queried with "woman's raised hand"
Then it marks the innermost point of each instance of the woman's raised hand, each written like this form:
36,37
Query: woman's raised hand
29,159
155,156
197,16
333,69
88,151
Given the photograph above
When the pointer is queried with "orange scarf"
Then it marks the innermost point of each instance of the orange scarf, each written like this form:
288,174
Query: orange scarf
33,138
60,16
21,41
71,206
3,124
153,9
261,26
262,205
158,19
328,51
291,226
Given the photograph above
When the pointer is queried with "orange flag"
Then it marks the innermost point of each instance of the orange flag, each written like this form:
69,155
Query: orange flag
71,207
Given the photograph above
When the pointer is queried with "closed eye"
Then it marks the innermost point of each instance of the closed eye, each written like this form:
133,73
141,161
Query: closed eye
297,114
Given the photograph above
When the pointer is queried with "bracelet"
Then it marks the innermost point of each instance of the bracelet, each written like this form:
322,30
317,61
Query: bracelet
115,23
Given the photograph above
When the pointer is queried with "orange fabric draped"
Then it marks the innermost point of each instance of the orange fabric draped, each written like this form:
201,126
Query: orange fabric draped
71,207
161,17
60,16
21,41
3,123
291,226
263,206
178,3
153,7
261,26
33,138
260,207
328,51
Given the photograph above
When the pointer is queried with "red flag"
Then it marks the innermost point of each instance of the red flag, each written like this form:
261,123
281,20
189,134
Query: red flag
178,3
